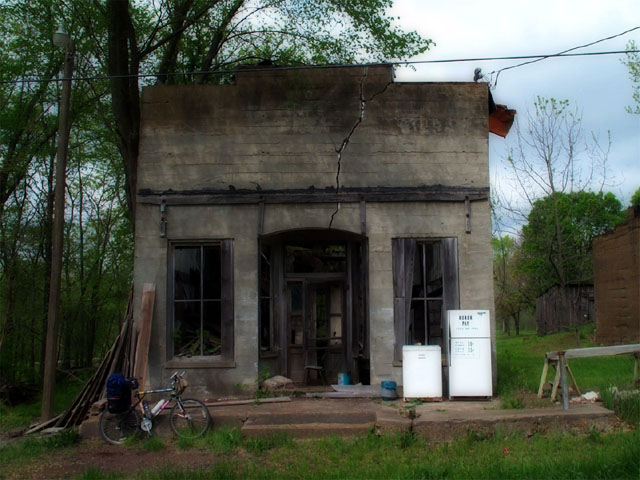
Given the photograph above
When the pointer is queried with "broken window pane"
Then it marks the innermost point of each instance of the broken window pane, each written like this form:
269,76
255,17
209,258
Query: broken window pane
211,329
186,333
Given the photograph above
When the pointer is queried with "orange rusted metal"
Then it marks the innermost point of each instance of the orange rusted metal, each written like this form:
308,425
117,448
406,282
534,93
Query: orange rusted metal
500,120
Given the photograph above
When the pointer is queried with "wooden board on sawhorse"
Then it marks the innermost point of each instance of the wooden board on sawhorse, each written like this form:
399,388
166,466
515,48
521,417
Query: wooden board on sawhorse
556,358
555,363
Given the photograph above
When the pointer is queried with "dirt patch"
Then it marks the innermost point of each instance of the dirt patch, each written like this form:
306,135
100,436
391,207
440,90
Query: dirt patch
96,455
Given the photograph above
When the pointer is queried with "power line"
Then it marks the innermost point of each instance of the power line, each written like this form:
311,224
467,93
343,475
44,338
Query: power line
308,67
564,52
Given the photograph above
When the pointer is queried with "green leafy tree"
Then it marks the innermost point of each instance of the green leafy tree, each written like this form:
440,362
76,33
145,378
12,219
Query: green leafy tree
125,38
97,252
551,160
635,198
632,62
512,291
578,217
212,37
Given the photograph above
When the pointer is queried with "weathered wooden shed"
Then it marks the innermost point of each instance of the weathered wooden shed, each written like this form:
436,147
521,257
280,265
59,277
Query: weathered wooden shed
549,308
616,265
276,215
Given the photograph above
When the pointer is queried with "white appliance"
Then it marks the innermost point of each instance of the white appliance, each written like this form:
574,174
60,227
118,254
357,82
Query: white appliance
469,356
422,371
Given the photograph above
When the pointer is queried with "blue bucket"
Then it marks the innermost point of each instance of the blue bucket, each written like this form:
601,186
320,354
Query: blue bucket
344,379
389,390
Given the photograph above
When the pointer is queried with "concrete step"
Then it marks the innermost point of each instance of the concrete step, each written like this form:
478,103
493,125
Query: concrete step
305,425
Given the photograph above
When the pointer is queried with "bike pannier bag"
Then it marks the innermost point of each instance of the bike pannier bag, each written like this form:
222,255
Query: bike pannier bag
118,393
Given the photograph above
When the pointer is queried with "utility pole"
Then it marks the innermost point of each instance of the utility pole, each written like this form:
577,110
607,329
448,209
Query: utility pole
63,40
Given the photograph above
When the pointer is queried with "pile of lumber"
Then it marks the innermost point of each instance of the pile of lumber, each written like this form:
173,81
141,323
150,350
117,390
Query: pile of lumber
121,357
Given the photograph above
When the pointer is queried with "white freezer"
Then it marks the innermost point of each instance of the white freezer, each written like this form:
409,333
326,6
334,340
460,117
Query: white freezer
422,371
469,356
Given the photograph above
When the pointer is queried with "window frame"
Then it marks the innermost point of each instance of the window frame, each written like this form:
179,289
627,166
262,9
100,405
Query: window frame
271,350
426,299
226,357
403,254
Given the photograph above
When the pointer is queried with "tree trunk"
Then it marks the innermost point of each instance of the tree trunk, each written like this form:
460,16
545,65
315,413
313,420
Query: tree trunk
124,64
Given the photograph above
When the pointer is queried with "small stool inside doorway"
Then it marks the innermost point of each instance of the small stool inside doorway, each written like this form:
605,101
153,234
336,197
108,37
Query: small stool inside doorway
317,366
320,373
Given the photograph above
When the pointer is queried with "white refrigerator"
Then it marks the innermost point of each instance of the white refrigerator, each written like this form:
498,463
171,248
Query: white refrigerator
469,338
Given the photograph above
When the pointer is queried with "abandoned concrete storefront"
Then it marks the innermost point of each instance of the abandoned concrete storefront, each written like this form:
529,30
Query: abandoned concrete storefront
301,218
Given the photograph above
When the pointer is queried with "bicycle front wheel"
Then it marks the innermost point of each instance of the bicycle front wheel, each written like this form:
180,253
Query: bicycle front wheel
189,418
117,427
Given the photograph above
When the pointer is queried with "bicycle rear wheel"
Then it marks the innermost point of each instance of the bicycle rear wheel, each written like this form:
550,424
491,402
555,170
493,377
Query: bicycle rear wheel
117,427
189,418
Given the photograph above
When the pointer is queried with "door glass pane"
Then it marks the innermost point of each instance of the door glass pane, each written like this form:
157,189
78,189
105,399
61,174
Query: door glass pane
295,295
295,330
296,304
335,315
186,333
187,273
211,274
319,308
212,328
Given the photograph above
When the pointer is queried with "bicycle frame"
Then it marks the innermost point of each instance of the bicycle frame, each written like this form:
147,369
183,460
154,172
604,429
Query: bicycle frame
140,394
180,418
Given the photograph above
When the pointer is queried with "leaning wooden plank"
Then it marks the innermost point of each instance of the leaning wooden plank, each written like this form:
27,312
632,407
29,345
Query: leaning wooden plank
227,403
43,425
78,410
144,337
596,351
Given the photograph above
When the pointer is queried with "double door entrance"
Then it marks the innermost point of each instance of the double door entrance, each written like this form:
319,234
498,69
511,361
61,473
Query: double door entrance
316,329
313,307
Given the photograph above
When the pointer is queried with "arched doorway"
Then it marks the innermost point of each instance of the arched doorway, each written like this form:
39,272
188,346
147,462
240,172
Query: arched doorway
313,305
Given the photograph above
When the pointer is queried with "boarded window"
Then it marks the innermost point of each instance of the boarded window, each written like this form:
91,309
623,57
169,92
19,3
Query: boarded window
202,299
425,286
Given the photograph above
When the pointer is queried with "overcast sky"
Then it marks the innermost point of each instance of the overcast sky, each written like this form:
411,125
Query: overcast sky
599,86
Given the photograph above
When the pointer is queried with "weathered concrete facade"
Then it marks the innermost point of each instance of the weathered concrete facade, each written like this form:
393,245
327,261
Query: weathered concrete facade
283,157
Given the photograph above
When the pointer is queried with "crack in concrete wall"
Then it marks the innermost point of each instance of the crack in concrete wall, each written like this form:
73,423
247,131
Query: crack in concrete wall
345,142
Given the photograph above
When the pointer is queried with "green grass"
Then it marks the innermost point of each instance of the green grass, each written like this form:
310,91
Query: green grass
520,361
401,456
19,452
67,387
521,358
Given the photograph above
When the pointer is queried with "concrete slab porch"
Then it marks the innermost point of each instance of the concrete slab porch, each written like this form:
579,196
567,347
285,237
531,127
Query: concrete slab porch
441,421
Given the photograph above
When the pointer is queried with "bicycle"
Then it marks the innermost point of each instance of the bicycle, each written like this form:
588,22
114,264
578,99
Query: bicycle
189,418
